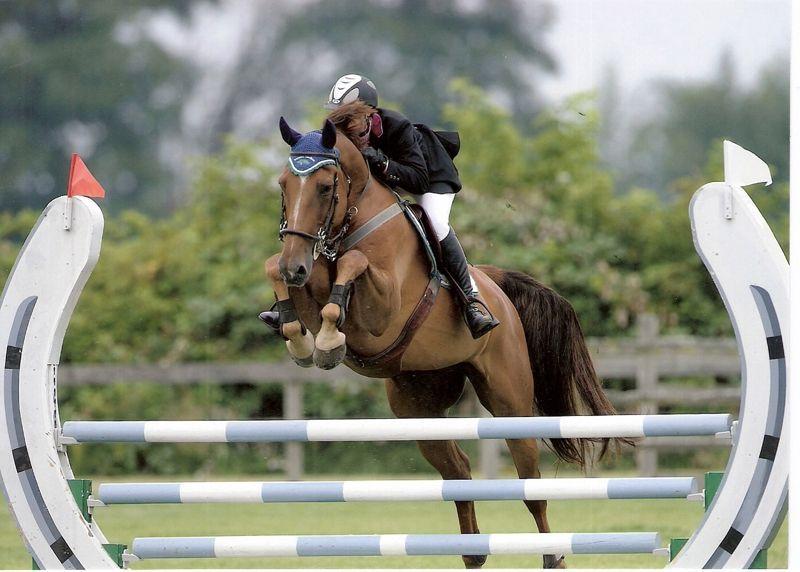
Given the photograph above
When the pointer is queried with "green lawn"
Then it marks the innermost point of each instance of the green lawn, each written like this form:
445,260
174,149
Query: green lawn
672,518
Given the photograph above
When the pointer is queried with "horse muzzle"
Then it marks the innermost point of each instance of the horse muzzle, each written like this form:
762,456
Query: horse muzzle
295,274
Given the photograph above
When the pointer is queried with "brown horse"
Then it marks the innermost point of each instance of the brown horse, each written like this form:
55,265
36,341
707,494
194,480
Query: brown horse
535,362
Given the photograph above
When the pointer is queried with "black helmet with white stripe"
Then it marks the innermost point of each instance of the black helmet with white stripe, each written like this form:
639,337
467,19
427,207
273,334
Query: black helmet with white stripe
352,87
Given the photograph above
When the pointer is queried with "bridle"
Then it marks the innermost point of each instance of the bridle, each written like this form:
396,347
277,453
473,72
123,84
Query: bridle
324,243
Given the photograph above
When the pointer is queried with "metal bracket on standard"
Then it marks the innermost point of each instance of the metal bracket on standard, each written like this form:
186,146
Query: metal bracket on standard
62,440
92,502
697,497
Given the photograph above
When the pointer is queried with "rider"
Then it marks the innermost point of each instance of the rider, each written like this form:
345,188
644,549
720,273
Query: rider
419,161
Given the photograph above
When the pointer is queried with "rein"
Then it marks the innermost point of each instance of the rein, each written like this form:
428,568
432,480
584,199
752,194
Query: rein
324,243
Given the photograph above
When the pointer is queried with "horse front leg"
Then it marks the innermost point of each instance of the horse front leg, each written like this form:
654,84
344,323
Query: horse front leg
299,341
330,341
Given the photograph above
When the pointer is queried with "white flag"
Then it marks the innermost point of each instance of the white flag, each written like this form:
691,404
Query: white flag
742,167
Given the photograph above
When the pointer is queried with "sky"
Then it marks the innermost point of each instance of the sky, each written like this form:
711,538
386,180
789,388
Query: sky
647,39
642,39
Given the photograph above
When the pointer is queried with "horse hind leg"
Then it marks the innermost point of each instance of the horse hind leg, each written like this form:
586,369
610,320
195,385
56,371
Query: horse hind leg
430,395
507,391
299,341
525,454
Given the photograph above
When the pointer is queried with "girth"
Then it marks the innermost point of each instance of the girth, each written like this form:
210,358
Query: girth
387,362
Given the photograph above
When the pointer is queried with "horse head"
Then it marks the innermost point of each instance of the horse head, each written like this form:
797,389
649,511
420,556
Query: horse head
324,177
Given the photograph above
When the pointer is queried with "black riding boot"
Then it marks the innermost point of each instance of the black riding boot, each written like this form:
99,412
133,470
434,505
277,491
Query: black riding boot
272,318
478,317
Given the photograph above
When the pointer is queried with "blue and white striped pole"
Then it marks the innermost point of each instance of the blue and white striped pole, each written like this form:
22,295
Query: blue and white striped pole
394,429
396,545
422,490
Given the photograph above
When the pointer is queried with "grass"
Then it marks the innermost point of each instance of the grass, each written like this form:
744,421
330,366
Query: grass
672,518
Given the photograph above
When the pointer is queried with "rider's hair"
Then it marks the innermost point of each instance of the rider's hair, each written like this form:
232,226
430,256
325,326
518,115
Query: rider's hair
343,115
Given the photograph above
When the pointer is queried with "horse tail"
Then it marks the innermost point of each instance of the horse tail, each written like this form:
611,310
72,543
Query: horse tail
565,381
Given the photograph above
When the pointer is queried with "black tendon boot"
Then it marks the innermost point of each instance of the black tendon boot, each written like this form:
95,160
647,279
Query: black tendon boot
478,317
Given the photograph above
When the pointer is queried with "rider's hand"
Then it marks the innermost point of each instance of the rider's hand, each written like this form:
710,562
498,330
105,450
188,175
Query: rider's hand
378,161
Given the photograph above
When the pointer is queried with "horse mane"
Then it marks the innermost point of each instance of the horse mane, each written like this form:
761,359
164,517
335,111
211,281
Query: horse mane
342,117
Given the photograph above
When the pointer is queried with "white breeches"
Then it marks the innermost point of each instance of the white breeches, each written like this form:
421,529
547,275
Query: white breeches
437,207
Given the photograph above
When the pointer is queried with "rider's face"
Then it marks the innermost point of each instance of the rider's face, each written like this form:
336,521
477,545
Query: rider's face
362,126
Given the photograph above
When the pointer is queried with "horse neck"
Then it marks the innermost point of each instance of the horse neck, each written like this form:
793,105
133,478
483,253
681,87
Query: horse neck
368,195
374,198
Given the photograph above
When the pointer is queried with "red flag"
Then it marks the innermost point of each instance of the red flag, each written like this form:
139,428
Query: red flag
81,181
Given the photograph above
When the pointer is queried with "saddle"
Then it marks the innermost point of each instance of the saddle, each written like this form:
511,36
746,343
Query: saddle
427,235
432,247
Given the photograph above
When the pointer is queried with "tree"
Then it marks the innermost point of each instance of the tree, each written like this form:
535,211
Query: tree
84,77
692,116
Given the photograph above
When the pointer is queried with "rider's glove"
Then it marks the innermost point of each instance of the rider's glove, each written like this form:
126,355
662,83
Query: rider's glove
378,161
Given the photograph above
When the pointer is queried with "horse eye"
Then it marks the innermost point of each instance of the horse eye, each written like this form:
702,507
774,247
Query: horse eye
325,189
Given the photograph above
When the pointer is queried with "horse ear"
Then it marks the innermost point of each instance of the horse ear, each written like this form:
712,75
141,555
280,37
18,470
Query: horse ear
289,135
329,134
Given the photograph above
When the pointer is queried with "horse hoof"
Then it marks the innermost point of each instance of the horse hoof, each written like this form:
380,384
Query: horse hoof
550,561
329,359
471,562
307,361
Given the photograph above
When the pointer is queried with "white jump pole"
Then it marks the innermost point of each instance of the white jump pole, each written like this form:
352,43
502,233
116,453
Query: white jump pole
395,490
75,432
396,545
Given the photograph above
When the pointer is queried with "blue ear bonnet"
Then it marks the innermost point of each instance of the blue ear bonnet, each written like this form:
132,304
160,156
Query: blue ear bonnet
308,154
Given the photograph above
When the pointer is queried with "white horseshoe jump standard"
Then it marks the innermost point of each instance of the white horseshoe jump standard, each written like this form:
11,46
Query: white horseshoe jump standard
732,239
37,302
752,276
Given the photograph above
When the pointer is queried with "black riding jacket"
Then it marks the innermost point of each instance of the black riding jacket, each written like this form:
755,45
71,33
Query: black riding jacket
417,157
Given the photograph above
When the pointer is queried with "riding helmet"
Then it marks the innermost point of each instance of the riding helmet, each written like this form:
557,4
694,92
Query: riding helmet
352,87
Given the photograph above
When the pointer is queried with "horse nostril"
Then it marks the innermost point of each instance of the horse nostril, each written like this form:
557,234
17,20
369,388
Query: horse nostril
294,275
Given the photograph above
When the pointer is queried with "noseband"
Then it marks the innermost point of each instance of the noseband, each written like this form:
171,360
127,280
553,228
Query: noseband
324,243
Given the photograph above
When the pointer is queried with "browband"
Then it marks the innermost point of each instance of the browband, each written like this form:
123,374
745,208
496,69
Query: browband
302,164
